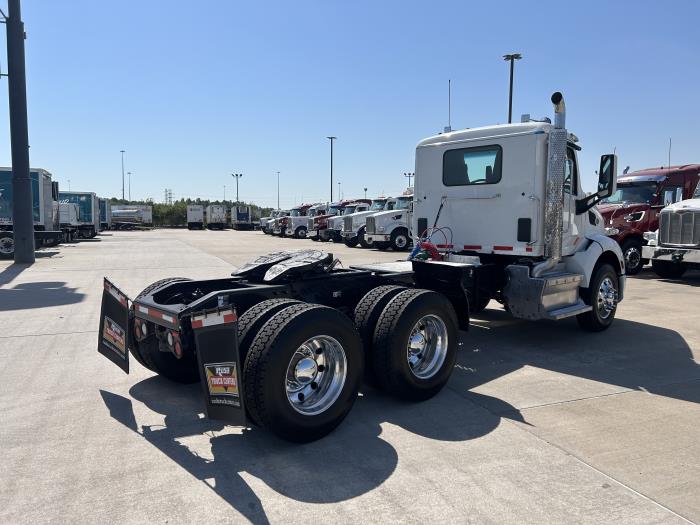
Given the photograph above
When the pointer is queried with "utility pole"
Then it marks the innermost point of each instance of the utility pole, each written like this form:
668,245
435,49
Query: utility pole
122,152
511,58
278,190
22,214
236,176
332,139
409,175
68,184
129,174
365,193
339,197
224,192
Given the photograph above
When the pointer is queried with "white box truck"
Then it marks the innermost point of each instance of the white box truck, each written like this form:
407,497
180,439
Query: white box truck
242,218
44,210
195,217
68,219
216,217
89,208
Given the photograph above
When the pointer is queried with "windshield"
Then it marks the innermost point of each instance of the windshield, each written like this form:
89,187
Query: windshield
320,211
295,213
378,205
633,192
333,210
349,209
403,203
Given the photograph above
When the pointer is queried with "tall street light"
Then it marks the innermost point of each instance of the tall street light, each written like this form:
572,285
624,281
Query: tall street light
365,193
511,58
129,174
409,175
122,152
236,176
339,197
278,190
332,139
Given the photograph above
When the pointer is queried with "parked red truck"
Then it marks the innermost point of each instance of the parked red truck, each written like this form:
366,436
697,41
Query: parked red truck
634,208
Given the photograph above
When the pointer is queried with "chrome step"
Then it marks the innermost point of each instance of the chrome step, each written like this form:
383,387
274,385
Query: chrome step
569,311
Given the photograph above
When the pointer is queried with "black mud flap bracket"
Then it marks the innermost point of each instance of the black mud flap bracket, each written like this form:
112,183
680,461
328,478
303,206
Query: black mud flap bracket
113,337
219,361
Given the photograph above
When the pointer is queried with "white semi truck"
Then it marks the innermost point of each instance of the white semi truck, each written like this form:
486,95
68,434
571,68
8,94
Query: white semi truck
353,232
266,222
335,224
195,217
675,246
283,342
216,217
391,228
298,226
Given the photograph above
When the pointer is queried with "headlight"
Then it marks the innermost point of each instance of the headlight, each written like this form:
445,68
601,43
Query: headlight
380,228
612,231
634,216
649,236
397,217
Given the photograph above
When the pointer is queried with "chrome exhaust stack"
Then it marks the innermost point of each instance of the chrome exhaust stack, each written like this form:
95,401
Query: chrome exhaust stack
554,190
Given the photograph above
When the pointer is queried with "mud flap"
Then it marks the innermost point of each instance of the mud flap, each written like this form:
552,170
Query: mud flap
113,337
219,360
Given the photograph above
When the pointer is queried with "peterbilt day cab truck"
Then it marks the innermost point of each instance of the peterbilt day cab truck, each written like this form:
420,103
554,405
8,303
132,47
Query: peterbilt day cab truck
283,343
334,224
318,225
44,211
216,217
353,232
195,217
675,246
281,223
266,221
89,211
391,228
298,227
635,207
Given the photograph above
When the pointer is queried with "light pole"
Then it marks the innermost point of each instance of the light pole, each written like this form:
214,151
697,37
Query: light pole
511,58
365,192
236,176
129,174
339,197
68,184
278,190
122,152
332,139
409,175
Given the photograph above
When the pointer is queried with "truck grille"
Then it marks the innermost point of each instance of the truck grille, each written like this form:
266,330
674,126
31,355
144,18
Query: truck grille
369,225
347,224
679,228
310,223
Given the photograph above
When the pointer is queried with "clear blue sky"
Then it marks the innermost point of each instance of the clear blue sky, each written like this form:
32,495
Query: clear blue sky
194,91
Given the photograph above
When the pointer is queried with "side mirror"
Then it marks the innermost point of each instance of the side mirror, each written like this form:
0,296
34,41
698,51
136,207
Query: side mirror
607,184
607,176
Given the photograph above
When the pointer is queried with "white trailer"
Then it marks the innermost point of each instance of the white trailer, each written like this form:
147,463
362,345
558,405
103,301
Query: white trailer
69,220
195,217
132,215
105,214
89,211
242,218
216,217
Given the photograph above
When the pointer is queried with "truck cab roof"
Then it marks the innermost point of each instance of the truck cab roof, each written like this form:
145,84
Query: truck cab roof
500,130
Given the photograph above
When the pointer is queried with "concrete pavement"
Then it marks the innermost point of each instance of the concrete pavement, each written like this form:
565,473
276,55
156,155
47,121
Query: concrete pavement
540,423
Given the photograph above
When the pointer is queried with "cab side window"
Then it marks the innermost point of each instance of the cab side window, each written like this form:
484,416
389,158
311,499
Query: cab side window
570,173
469,166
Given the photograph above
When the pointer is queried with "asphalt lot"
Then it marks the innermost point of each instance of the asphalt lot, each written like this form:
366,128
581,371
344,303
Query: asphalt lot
540,423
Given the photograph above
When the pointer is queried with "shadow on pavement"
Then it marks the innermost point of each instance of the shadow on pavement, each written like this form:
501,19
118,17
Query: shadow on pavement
12,271
690,277
351,461
37,295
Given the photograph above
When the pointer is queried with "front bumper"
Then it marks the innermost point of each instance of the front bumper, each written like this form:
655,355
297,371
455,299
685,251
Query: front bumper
348,235
378,237
676,255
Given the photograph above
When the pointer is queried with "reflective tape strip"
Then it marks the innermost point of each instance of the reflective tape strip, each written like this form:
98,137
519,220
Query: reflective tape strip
503,248
472,247
115,293
214,318
444,245
528,248
166,317
143,310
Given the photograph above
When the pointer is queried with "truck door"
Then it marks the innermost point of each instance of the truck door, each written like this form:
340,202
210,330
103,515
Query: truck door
573,226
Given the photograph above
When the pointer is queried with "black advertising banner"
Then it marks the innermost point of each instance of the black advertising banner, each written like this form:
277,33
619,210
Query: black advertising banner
113,339
216,337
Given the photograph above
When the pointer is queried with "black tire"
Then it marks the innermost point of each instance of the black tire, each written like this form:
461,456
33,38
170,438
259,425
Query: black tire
250,323
400,239
351,242
599,318
632,253
300,232
7,246
366,315
391,338
382,245
266,367
361,237
668,269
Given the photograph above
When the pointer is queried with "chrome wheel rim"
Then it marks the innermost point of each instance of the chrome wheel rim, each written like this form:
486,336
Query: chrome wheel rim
302,233
607,298
632,257
427,347
7,245
401,241
316,375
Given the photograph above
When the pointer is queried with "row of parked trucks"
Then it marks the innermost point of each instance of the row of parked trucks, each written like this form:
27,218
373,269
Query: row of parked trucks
384,222
498,213
216,217
63,216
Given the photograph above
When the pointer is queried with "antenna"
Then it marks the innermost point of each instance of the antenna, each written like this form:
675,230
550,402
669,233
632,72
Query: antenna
448,128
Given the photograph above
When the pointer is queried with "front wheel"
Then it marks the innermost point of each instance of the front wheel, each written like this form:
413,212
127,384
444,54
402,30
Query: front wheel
361,237
301,232
303,372
632,251
668,269
351,242
7,246
399,239
602,295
